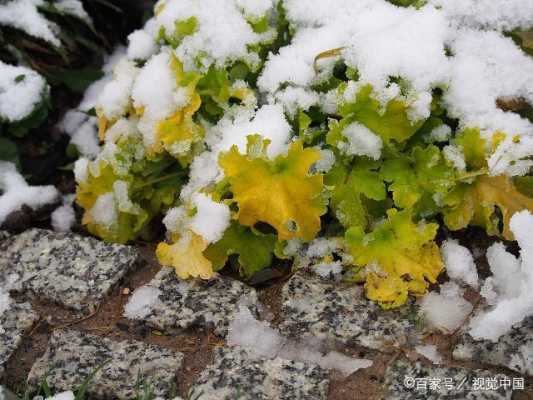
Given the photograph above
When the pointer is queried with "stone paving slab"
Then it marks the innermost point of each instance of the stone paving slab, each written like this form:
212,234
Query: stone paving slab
330,310
14,323
73,355
72,270
513,350
235,374
419,381
183,304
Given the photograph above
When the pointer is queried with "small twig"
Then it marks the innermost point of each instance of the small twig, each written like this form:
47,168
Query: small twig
64,325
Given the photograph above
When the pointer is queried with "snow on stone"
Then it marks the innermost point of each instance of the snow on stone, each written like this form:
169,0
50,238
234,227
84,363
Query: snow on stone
24,15
15,192
446,310
361,141
141,45
510,285
429,351
245,330
325,269
211,218
21,90
64,217
212,41
141,302
459,262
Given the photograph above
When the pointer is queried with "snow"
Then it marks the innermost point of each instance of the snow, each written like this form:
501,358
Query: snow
509,288
24,15
488,66
211,218
104,211
69,395
441,133
446,310
429,351
141,45
154,90
502,15
459,262
212,42
245,330
21,90
142,301
64,217
361,141
15,192
114,100
326,269
74,8
268,121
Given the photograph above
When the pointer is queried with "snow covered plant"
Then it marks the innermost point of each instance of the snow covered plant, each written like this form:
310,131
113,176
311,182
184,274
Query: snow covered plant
337,133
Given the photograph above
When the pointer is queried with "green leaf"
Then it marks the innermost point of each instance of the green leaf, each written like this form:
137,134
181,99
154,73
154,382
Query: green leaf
414,179
254,249
391,121
77,80
9,151
351,187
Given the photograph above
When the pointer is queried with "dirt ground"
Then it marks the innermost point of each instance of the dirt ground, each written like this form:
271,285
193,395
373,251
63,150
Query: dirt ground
198,346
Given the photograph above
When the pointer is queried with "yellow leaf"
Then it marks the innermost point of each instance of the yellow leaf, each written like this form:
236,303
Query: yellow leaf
186,256
279,192
400,258
477,204
179,133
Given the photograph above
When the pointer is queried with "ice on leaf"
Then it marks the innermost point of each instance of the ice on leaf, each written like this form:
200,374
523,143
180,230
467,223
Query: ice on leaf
280,192
400,257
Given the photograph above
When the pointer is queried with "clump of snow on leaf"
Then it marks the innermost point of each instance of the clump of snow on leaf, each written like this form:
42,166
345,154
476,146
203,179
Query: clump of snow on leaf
21,91
509,289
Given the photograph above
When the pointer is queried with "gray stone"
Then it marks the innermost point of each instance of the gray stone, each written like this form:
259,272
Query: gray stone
184,304
513,350
418,381
336,311
74,271
72,356
14,323
235,374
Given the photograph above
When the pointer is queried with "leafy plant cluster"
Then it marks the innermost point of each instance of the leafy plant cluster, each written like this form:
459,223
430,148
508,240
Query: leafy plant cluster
384,208
68,66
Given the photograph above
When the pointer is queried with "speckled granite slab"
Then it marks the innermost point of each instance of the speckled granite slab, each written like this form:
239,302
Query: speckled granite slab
195,303
72,355
513,350
236,375
337,311
14,323
406,381
72,270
